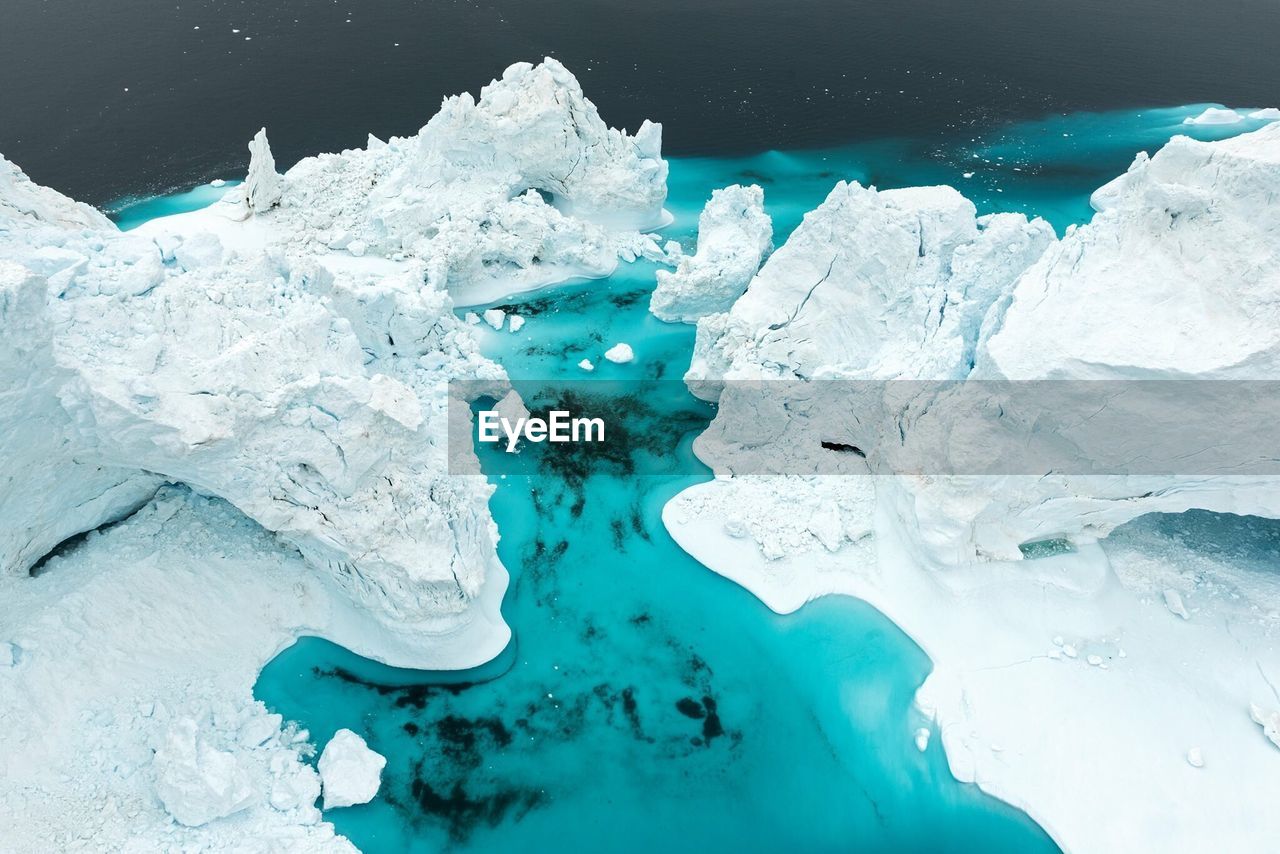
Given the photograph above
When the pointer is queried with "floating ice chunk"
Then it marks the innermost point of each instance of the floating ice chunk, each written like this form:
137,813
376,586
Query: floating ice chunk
922,739
1173,601
263,187
195,782
1094,660
586,365
1270,114
350,771
1214,116
217,182
1269,720
1195,758
494,317
619,354
515,323
471,318
734,235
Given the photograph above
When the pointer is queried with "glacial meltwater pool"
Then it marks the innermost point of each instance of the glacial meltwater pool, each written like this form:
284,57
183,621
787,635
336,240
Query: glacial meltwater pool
646,703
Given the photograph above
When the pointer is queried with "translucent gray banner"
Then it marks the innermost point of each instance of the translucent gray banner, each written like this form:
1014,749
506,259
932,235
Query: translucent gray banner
1073,427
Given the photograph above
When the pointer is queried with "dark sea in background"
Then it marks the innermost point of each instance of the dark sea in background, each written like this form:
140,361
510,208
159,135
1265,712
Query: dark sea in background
129,98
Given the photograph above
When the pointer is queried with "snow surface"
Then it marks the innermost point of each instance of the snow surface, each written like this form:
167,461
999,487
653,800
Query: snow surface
734,236
350,771
129,722
1079,686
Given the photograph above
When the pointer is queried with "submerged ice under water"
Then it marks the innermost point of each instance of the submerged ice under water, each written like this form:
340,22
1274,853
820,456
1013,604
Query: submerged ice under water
645,702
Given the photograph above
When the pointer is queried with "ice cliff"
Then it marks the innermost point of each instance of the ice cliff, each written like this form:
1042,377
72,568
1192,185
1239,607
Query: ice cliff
294,362
734,236
296,394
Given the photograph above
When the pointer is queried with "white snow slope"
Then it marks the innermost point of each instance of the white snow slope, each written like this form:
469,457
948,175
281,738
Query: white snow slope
286,353
1120,692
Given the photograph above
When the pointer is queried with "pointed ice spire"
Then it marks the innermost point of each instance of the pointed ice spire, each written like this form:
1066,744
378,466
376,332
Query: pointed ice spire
263,186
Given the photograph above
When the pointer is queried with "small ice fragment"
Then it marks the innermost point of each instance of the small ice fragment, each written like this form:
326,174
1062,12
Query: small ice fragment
1094,660
471,317
1069,651
968,174
494,317
1173,601
1270,114
350,771
217,182
515,323
357,248
1057,640
1195,758
1214,116
619,353
586,365
922,739
1269,720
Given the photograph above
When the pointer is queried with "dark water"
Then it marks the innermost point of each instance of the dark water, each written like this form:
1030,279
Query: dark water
126,97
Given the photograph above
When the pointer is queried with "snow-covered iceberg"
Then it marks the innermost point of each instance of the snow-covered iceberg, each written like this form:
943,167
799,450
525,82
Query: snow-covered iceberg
522,187
350,771
1175,278
734,236
280,358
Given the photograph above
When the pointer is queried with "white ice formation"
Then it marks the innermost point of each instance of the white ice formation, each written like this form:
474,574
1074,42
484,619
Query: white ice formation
620,353
734,236
1090,648
1215,116
350,771
263,187
285,352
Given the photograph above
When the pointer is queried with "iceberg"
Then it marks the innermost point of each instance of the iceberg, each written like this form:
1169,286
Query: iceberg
734,236
1175,278
1214,116
248,404
620,353
350,772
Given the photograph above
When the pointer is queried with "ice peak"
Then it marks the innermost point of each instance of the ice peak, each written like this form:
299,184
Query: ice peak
264,186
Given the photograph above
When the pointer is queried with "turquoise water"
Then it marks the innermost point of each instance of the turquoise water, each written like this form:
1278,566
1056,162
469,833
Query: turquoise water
133,212
645,702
